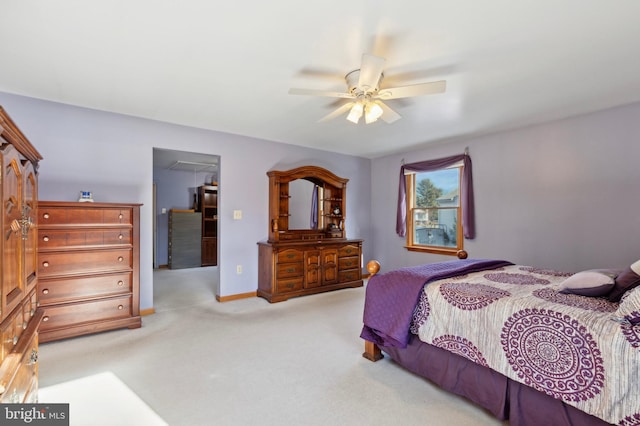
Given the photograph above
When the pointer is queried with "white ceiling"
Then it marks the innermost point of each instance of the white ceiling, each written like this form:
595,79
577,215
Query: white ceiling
228,65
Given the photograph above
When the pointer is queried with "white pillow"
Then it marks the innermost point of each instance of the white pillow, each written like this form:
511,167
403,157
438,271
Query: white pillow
592,283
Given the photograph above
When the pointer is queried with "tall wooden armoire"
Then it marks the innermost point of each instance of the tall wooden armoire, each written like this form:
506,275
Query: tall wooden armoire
19,268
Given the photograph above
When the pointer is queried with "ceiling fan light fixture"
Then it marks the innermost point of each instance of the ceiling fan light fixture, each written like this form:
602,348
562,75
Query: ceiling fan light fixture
356,112
365,94
373,111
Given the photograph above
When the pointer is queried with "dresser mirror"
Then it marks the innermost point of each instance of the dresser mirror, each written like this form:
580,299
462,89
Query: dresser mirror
301,195
291,203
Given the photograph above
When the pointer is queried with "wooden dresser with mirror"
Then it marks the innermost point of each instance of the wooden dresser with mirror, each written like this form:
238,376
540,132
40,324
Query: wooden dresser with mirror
307,251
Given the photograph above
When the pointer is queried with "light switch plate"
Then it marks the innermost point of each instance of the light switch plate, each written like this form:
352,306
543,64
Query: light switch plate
237,214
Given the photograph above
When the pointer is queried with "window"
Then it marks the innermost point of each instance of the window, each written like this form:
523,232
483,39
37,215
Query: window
410,176
434,211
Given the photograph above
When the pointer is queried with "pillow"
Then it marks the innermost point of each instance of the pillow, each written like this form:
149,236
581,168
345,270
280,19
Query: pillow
592,283
628,279
629,308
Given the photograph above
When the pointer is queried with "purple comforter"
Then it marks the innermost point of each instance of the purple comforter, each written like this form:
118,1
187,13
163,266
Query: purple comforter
388,312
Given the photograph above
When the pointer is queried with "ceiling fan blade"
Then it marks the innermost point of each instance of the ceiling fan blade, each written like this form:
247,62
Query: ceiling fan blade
413,90
344,108
388,115
311,92
370,72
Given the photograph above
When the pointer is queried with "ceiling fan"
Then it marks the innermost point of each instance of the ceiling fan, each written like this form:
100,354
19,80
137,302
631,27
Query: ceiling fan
366,95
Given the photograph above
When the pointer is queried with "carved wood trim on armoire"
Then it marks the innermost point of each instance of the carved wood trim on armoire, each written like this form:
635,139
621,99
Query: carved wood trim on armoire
19,310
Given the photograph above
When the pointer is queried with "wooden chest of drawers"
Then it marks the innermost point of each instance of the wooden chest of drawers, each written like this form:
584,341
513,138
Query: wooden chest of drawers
89,267
290,269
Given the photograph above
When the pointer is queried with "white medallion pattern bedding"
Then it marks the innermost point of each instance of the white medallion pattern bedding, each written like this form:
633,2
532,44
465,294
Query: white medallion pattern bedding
513,320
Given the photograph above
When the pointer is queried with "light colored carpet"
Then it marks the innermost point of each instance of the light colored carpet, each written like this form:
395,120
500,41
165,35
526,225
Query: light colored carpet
248,362
101,399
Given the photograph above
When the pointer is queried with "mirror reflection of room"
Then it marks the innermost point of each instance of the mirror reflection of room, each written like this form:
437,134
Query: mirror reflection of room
301,193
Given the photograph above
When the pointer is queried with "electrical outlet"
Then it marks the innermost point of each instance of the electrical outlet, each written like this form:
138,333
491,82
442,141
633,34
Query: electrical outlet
238,269
237,214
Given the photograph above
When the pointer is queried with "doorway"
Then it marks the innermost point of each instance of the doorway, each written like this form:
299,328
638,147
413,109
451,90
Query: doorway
177,177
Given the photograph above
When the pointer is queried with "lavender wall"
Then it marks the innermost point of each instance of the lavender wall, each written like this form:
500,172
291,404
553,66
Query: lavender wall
113,155
562,195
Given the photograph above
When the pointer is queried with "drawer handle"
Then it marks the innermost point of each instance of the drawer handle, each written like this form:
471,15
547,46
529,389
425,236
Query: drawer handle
120,216
120,283
290,256
291,269
120,307
45,318
45,264
290,285
15,340
45,238
32,312
348,251
120,258
46,215
45,291
120,237
24,325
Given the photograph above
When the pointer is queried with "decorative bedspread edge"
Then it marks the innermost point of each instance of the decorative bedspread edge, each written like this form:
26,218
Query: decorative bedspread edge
391,297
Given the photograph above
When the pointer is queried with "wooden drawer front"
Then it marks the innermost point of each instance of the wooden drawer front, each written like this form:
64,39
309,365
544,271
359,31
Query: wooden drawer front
50,238
349,250
287,285
289,270
78,262
25,380
83,216
70,289
349,262
11,330
84,312
290,255
350,275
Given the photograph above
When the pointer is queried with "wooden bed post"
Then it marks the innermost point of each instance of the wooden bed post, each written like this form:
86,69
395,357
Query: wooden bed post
371,351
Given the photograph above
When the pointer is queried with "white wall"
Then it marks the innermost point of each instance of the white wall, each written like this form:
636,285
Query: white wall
112,155
562,195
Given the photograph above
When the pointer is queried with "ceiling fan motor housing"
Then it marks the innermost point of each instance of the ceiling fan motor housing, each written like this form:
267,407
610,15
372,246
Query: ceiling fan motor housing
352,80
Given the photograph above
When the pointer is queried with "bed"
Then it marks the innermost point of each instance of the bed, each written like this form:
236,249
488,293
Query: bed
532,346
